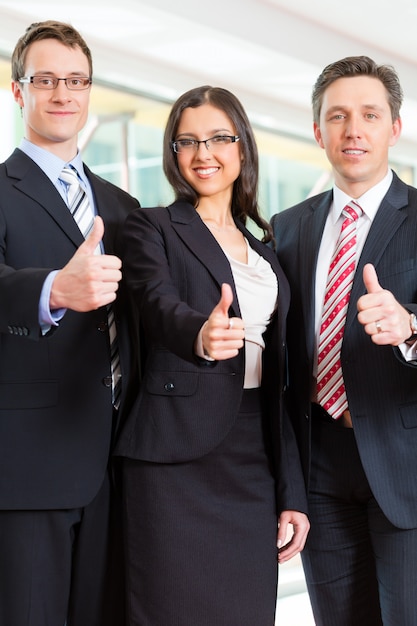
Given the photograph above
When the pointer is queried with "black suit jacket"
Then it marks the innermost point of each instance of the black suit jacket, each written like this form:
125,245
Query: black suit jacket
55,410
381,387
186,406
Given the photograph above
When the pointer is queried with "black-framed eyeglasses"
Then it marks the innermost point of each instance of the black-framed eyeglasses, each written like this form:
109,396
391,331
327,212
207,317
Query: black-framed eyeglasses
214,144
74,83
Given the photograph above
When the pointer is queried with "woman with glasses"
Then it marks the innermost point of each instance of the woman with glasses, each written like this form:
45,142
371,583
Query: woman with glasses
211,469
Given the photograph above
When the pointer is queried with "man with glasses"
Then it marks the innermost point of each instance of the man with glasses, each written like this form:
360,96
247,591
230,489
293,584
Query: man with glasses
61,358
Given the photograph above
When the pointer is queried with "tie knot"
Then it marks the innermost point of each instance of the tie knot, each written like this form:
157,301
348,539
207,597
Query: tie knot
69,175
352,211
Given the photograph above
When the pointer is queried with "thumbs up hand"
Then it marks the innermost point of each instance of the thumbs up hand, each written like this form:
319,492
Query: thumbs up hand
382,316
93,240
370,279
89,280
223,335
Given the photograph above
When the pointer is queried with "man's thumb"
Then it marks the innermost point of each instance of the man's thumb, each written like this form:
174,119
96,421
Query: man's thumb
370,279
94,237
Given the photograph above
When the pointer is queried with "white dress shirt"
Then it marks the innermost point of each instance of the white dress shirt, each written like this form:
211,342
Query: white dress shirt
257,290
369,202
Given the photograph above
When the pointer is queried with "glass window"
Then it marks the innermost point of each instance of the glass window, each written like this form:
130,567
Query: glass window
122,142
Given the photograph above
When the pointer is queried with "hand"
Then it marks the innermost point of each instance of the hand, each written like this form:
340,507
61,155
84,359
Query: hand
383,318
288,549
223,335
88,281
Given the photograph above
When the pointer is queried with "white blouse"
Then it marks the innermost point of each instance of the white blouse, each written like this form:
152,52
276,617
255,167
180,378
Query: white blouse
257,289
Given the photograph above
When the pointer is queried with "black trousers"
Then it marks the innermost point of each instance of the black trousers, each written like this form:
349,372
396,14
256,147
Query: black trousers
55,566
360,569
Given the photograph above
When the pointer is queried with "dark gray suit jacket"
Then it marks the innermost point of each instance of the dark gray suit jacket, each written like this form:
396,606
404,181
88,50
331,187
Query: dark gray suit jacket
186,406
381,387
55,408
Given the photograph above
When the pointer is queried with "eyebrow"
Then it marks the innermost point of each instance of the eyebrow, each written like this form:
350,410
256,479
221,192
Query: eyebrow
342,107
213,132
49,73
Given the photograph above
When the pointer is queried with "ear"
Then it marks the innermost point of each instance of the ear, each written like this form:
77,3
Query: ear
317,135
396,131
17,93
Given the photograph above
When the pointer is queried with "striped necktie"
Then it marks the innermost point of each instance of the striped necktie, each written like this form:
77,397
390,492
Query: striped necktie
82,213
331,393
78,203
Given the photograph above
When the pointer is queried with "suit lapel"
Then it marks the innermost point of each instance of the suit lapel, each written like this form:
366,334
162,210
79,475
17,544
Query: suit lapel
32,181
196,236
107,206
311,231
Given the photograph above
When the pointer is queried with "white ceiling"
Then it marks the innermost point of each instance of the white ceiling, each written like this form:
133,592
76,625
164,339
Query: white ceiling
268,54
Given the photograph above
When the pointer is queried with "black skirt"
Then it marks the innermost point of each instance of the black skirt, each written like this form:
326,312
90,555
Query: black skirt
201,536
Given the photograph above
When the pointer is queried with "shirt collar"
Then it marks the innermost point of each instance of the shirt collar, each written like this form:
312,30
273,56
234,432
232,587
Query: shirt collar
49,163
369,201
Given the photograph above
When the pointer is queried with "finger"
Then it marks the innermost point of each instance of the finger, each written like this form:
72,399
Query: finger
370,279
282,534
94,237
225,301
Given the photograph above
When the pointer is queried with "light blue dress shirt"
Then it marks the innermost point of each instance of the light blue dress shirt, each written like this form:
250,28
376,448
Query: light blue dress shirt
52,166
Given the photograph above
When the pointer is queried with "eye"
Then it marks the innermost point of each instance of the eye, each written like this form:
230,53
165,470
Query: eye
186,143
220,139
44,80
76,81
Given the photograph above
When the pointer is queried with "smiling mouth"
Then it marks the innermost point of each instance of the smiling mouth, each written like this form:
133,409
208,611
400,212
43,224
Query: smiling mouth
206,171
354,152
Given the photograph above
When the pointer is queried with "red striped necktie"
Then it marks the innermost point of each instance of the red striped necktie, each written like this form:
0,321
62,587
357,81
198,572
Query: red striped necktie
331,393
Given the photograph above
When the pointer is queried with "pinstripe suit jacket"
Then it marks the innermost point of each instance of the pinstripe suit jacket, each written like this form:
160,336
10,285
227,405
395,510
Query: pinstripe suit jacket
174,267
381,387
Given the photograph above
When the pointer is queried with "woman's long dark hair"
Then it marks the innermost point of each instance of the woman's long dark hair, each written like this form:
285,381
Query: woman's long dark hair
245,189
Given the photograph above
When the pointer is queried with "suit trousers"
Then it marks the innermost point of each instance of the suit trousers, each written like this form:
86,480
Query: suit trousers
360,569
53,565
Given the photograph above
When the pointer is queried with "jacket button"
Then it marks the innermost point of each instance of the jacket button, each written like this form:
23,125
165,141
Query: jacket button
102,327
169,386
107,381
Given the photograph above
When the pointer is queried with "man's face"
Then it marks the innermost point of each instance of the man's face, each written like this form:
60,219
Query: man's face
356,131
53,118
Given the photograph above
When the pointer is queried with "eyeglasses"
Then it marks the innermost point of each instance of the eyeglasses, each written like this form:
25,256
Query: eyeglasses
74,83
214,144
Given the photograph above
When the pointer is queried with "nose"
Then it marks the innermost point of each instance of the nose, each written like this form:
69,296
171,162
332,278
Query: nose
354,126
204,144
61,91
202,151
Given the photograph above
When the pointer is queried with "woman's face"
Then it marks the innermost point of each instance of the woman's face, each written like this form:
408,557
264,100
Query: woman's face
210,171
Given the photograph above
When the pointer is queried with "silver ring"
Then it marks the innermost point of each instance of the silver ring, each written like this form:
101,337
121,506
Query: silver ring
378,326
230,324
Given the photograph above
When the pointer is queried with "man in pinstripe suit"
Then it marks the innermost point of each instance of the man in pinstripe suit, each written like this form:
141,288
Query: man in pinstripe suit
361,469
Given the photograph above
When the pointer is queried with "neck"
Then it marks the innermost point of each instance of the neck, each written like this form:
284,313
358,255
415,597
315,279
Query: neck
220,226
